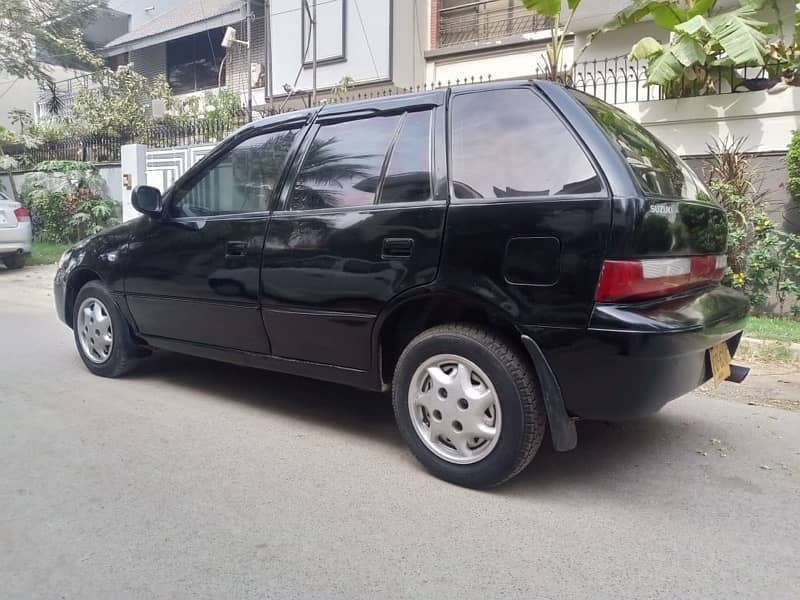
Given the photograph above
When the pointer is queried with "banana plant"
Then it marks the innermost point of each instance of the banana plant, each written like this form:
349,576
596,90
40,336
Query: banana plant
555,49
702,39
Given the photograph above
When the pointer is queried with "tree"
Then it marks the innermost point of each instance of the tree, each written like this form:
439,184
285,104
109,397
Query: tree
117,101
555,49
703,39
52,27
21,118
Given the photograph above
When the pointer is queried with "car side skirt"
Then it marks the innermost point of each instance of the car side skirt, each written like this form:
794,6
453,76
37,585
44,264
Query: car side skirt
367,380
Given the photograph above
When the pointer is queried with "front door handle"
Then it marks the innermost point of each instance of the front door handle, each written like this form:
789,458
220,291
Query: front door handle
235,248
397,248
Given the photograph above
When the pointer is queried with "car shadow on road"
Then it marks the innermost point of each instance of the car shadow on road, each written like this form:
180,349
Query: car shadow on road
345,409
619,452
616,451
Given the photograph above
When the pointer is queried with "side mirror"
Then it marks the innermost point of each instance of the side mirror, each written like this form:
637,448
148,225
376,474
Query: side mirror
147,200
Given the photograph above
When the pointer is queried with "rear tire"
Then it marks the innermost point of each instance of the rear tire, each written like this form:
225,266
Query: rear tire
467,403
102,335
14,261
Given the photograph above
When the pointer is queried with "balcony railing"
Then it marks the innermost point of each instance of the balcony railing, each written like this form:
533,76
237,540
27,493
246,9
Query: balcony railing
486,20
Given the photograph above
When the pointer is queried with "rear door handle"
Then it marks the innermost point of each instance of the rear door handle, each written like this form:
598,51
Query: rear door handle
397,248
235,248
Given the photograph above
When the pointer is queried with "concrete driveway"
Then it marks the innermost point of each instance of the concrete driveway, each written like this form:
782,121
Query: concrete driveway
191,479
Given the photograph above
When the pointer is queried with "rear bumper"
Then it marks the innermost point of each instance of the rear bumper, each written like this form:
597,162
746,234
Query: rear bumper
15,248
17,239
633,359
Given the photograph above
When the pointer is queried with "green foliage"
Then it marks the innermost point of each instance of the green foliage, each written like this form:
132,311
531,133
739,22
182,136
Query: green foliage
49,26
558,32
66,201
770,328
117,103
21,118
773,269
702,40
763,261
793,167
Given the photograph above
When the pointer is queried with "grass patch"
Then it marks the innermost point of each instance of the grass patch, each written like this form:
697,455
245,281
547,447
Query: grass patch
46,253
766,351
771,328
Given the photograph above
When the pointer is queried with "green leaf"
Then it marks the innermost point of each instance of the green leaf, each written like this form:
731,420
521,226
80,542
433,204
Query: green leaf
797,24
694,25
740,37
645,48
547,8
700,7
573,4
664,69
668,15
687,50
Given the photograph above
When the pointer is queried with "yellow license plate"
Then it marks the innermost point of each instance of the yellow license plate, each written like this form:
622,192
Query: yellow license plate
720,362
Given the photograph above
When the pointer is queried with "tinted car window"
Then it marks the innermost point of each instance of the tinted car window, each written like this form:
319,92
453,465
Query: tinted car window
343,164
657,168
242,181
408,177
509,143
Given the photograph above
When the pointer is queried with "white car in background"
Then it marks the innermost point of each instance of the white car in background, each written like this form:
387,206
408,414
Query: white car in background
16,233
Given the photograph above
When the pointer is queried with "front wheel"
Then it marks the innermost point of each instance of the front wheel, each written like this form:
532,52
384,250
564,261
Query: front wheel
467,403
102,334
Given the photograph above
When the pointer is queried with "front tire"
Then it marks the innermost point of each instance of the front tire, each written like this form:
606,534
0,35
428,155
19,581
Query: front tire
101,333
468,406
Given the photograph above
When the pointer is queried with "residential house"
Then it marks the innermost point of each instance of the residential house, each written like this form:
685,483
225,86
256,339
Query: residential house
372,43
501,39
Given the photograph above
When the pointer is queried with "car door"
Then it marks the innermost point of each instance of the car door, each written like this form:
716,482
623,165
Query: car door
193,275
358,224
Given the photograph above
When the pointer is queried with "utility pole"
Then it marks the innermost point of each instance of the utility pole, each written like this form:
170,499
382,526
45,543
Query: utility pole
314,54
249,69
268,96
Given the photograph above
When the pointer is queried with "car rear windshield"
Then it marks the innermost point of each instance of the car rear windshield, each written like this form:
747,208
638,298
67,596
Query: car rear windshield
659,171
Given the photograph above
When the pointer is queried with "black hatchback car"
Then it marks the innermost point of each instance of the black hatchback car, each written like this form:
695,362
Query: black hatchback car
504,257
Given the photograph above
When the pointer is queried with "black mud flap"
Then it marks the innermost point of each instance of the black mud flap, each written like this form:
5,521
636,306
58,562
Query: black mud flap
562,427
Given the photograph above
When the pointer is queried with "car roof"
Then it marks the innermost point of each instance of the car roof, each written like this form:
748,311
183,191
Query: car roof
390,102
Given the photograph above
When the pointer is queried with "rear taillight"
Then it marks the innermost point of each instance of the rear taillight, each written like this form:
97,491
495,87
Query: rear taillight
22,214
654,277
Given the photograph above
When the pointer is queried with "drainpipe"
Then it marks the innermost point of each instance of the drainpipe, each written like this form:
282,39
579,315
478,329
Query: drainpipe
268,96
248,70
314,54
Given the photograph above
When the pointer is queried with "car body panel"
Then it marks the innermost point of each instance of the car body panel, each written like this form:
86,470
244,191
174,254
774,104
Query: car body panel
15,236
314,293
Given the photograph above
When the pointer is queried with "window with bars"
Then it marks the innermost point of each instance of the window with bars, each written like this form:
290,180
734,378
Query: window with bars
464,21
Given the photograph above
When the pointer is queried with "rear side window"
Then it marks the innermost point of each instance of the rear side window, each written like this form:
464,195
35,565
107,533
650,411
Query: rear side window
509,143
343,163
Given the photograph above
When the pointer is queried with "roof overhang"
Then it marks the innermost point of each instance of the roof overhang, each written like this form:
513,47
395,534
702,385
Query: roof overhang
130,43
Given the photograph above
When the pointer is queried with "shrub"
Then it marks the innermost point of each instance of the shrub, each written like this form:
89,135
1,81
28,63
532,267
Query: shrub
67,201
772,269
763,261
793,167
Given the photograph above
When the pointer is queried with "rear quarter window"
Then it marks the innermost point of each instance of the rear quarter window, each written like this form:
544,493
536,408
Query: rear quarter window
656,168
510,143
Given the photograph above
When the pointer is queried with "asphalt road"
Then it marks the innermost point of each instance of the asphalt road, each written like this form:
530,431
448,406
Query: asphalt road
191,479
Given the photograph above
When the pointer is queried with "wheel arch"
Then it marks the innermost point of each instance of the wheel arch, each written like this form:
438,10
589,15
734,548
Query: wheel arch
77,279
412,314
